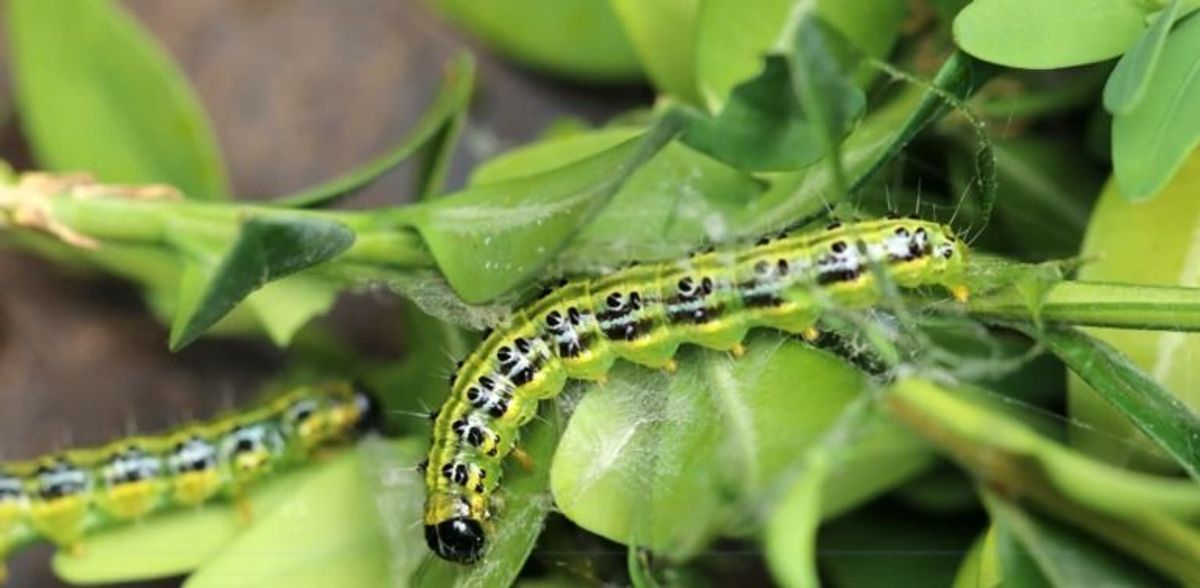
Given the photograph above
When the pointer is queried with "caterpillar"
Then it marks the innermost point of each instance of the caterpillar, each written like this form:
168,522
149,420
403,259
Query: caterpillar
642,314
66,495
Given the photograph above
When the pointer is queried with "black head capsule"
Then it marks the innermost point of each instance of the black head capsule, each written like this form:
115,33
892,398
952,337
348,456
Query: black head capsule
460,539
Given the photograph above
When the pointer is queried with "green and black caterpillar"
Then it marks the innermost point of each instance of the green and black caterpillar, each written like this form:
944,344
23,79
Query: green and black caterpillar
64,496
643,314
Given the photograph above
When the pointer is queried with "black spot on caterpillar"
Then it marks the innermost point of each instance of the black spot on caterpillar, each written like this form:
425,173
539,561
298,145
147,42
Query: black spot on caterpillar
642,314
64,496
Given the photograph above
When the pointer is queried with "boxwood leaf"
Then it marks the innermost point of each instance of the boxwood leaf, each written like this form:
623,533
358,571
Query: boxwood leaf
1151,141
491,238
663,34
264,250
95,92
669,463
1033,34
1117,241
581,39
1160,415
1133,73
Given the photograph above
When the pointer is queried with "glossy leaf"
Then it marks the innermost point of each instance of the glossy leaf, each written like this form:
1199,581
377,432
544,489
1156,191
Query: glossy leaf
1116,239
95,92
580,39
1154,138
663,35
979,569
1159,414
492,238
266,249
433,138
526,504
1063,555
1033,34
172,543
678,199
1128,82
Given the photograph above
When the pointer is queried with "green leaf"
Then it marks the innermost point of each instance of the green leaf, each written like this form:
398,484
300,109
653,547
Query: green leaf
678,199
791,534
826,93
732,41
526,505
1152,140
172,543
328,530
1128,82
580,39
1065,556
980,568
433,138
1147,517
663,34
669,463
1159,414
1032,34
265,250
286,305
96,93
492,238
1117,241
762,127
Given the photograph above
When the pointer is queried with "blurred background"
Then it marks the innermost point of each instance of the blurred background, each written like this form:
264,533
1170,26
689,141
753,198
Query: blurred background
298,92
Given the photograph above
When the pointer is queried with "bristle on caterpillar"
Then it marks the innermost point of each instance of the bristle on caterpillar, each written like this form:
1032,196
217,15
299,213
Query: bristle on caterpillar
67,495
642,314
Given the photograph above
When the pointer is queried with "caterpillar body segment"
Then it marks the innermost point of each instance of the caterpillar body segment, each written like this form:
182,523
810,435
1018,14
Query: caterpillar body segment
64,496
643,314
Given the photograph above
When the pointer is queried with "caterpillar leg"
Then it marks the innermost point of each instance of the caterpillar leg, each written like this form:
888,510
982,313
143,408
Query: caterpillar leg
960,292
810,334
75,550
523,459
671,366
737,351
245,512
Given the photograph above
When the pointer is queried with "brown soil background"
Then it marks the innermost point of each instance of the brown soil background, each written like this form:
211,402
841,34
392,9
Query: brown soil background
298,91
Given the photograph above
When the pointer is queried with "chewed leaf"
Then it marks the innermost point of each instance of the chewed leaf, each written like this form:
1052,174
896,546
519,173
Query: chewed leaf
1033,34
1133,73
172,543
266,249
284,306
433,136
669,463
518,525
1151,141
328,531
491,238
96,93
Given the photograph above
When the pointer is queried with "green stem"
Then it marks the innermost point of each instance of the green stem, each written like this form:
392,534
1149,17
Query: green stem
1100,304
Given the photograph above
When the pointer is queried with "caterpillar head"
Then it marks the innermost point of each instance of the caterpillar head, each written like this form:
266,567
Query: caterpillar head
949,258
455,527
459,539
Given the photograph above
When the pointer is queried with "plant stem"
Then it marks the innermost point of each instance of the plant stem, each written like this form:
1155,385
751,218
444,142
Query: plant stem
1100,304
